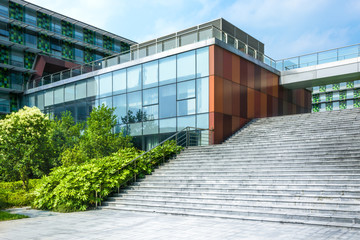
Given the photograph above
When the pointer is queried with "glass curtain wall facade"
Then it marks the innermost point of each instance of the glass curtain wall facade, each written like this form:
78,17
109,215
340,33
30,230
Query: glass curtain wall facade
345,95
151,100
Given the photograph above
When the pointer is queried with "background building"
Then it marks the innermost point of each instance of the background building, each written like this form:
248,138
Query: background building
35,42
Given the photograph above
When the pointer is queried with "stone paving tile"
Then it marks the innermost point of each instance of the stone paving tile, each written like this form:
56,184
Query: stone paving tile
112,224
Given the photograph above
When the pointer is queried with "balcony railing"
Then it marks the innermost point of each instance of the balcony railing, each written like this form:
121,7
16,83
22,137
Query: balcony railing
312,59
152,47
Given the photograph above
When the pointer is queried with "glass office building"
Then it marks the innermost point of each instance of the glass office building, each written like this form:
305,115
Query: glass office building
35,42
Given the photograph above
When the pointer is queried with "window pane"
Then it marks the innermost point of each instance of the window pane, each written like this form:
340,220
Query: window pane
92,87
202,95
168,125
150,74
49,98
120,107
183,122
119,81
186,107
105,101
105,85
150,96
202,62
134,106
135,129
81,111
186,66
167,101
151,112
151,127
59,95
167,70
70,92
134,78
186,90
202,121
40,101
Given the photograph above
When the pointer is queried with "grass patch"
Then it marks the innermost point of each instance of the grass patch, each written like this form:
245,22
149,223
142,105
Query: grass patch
4,216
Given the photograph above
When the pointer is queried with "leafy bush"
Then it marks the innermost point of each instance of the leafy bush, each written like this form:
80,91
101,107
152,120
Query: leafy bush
78,187
12,194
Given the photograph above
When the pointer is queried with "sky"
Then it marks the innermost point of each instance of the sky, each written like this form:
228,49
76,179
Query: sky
288,28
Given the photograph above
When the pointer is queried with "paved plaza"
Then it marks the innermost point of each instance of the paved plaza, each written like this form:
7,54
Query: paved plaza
112,224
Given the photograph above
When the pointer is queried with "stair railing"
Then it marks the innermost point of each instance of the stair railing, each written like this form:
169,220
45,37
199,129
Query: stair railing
187,137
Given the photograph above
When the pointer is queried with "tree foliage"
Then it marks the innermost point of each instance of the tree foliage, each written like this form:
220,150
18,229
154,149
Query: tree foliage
24,145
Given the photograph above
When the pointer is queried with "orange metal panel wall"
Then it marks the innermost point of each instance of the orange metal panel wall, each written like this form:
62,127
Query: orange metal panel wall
241,90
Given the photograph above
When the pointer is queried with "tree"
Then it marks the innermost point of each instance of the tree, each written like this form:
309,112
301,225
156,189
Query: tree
24,147
98,140
64,135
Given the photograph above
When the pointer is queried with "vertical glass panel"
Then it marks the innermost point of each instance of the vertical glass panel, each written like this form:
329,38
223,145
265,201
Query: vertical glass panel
350,104
186,66
169,44
335,105
188,38
134,107
134,78
59,95
202,121
40,101
151,112
183,122
135,129
350,93
336,96
167,101
202,95
168,125
167,70
92,87
150,96
81,112
49,98
150,74
31,100
105,101
151,127
186,90
202,62
205,34
186,107
119,81
105,82
80,90
119,102
70,92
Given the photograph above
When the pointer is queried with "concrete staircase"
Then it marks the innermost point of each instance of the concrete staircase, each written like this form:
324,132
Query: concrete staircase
294,169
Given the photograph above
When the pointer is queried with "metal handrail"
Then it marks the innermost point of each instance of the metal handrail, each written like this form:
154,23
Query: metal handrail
186,143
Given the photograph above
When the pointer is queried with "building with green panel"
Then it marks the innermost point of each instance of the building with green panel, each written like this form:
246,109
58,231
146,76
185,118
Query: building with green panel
35,42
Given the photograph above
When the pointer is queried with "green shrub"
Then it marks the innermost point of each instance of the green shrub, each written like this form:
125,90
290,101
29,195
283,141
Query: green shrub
73,188
10,216
12,194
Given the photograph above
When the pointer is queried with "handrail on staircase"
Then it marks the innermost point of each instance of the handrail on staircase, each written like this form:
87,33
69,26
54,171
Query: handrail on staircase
189,136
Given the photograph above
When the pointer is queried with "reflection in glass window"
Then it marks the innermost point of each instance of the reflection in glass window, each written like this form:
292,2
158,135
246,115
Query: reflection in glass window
168,125
119,102
40,101
202,121
151,112
134,78
70,92
151,127
59,95
92,87
135,129
150,96
186,107
105,82
49,98
167,101
81,111
186,90
202,62
150,74
119,81
167,70
134,107
104,101
183,122
186,66
202,95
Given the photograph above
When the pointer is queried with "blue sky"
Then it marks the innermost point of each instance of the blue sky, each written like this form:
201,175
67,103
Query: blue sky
287,27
